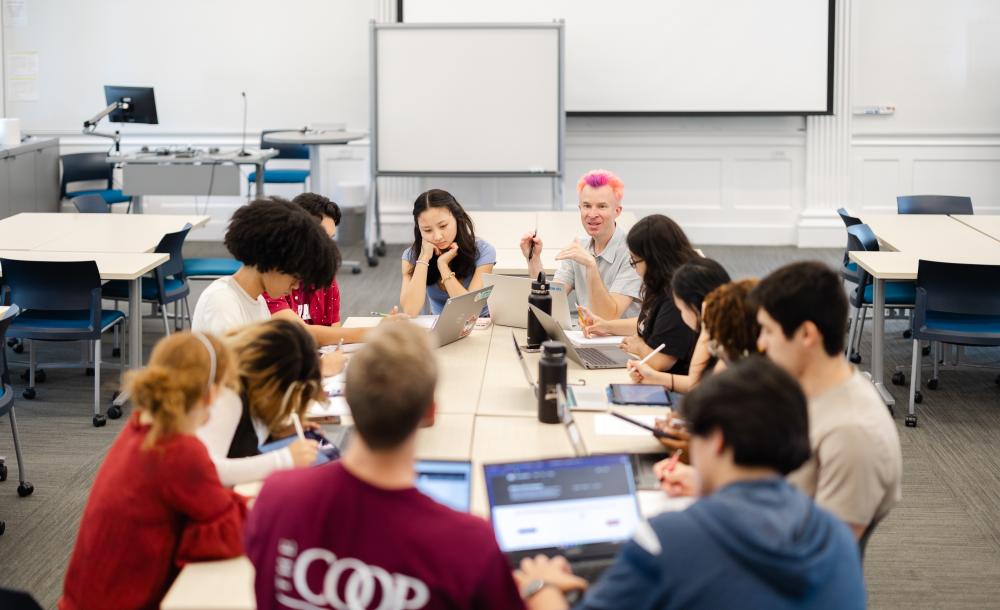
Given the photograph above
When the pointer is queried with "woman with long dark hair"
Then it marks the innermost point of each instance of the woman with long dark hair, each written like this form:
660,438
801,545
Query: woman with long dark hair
657,247
446,260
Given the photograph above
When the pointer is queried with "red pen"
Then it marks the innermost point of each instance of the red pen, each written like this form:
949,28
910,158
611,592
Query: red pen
673,462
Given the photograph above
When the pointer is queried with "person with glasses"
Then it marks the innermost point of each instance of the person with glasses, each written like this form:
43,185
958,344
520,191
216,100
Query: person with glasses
279,375
657,247
596,266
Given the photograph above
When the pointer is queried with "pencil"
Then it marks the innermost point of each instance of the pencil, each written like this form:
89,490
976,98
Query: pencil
298,426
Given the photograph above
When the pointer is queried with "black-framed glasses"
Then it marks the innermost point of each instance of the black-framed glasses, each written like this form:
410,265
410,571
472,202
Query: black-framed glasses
633,262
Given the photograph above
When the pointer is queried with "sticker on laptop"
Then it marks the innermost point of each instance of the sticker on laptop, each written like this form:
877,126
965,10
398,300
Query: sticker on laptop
484,294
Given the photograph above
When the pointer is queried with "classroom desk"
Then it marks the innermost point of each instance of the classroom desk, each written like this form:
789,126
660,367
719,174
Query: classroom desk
931,237
112,266
70,237
988,225
213,585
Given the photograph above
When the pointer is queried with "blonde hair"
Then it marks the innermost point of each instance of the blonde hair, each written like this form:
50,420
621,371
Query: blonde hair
390,384
176,380
279,369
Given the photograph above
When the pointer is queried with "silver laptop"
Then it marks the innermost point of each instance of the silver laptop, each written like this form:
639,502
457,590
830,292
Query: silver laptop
509,301
589,357
583,508
446,481
459,315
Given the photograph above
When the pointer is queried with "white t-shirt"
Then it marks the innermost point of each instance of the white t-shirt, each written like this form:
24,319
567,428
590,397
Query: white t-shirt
224,306
217,436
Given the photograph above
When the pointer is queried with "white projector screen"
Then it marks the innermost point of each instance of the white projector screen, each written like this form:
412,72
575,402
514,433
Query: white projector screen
454,99
675,56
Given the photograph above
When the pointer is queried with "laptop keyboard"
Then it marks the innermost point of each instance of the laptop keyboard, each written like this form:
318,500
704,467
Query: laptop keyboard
591,569
595,356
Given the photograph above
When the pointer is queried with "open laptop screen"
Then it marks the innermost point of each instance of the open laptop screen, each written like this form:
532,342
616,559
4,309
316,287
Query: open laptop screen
446,482
562,503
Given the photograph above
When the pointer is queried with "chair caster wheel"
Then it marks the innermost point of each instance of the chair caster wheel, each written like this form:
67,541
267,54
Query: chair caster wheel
28,393
356,270
3,472
918,397
911,421
932,384
114,411
855,358
25,489
116,352
40,376
99,421
898,378
89,372
907,334
19,348
373,261
926,350
380,248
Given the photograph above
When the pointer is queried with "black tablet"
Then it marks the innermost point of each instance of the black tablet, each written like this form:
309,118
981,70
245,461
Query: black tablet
638,394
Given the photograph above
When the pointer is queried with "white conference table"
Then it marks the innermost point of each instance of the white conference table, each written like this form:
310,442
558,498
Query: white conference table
314,139
988,225
486,414
74,237
906,239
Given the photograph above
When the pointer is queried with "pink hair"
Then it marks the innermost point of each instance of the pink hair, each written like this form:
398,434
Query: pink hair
597,178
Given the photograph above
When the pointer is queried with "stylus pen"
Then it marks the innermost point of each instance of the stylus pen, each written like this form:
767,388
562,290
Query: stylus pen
673,460
650,355
340,345
298,426
531,248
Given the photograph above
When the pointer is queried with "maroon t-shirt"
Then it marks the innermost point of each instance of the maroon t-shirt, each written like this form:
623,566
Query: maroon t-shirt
321,307
320,537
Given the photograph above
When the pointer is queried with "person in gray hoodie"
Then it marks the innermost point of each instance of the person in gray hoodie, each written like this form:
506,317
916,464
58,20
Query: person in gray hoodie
750,541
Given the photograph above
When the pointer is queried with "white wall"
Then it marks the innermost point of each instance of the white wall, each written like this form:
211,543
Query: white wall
749,180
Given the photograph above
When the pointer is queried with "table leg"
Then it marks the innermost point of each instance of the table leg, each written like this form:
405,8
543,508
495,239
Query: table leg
878,340
258,186
315,175
135,323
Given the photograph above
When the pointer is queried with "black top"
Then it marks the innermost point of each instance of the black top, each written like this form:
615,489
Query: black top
664,325
245,439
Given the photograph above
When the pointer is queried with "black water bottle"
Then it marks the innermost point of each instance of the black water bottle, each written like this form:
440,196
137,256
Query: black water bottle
551,376
541,299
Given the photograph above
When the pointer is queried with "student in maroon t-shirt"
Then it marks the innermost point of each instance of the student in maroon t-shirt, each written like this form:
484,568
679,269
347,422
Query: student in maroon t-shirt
356,533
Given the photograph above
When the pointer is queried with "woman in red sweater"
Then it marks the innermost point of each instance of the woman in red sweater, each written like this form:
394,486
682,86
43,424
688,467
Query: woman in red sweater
157,502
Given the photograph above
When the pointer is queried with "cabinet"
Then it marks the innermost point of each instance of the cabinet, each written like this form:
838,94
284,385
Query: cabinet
29,178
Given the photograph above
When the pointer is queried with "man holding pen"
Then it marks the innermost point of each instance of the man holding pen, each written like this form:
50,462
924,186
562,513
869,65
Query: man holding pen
598,268
751,541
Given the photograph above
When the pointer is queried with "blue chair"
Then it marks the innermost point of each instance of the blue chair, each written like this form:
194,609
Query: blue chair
87,167
957,304
166,285
898,295
933,204
285,151
7,408
91,204
60,301
848,270
210,268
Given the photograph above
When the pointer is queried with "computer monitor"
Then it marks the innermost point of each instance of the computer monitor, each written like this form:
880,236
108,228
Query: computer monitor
140,104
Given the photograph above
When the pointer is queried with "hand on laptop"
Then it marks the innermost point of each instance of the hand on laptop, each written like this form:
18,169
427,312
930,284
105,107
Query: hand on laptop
681,481
634,345
554,571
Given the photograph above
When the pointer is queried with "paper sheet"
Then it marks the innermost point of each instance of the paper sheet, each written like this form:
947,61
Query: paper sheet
427,322
589,398
609,425
654,501
347,348
576,336
335,406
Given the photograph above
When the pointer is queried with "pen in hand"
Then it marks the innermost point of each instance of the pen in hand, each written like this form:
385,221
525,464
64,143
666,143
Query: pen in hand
531,248
648,356
673,462
298,426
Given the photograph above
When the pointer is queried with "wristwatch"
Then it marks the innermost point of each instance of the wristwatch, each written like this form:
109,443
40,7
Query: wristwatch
533,587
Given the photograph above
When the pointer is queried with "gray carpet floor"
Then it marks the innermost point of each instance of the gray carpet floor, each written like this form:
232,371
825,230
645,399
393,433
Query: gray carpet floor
940,548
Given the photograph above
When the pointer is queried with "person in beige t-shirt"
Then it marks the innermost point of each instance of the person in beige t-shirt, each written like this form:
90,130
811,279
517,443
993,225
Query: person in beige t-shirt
856,467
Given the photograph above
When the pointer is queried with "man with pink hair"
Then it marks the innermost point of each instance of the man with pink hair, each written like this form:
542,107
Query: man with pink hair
597,266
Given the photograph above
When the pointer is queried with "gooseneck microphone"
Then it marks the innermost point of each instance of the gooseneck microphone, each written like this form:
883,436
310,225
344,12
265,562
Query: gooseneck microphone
243,145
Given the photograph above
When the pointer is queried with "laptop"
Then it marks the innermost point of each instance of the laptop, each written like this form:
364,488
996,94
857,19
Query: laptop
589,357
508,303
583,508
446,482
642,463
459,315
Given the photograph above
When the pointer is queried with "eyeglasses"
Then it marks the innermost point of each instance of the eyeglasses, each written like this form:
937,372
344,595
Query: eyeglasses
633,261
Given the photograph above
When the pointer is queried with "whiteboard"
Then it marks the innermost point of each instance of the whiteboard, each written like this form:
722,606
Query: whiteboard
300,62
675,56
467,99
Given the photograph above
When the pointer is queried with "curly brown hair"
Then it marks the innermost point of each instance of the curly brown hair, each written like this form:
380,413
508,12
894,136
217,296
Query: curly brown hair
730,320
